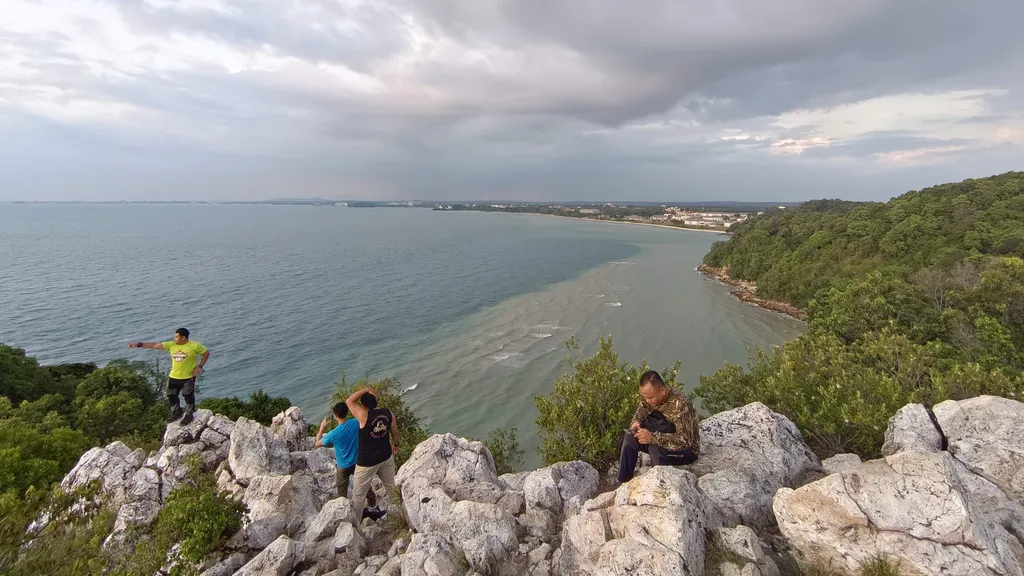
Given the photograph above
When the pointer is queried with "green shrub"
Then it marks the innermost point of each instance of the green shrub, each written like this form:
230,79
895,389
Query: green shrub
260,407
504,447
584,416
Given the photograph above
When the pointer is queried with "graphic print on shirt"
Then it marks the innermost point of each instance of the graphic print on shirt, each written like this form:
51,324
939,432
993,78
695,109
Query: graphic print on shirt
379,427
179,356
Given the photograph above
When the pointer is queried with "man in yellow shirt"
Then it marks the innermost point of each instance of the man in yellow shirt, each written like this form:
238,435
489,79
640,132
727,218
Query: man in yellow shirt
187,360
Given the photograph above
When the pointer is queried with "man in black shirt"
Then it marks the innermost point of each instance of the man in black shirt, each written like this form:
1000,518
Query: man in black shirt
378,443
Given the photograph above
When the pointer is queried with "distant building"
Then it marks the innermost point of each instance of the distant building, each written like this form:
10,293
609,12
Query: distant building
660,217
589,211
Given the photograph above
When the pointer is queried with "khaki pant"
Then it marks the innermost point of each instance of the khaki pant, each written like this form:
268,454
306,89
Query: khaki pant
344,475
364,475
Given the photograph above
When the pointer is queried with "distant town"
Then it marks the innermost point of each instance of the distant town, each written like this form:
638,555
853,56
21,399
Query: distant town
718,215
713,218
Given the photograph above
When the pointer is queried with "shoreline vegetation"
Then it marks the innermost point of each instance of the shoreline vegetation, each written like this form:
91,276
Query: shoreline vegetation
746,291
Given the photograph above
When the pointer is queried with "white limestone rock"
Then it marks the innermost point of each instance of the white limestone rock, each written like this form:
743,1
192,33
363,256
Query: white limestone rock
839,463
911,428
911,506
256,451
746,455
326,522
430,555
291,427
114,466
656,526
986,434
278,559
277,505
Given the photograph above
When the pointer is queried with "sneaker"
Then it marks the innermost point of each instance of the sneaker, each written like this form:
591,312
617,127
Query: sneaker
373,513
187,418
175,414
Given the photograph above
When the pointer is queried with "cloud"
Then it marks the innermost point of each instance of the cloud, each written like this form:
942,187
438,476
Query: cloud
683,99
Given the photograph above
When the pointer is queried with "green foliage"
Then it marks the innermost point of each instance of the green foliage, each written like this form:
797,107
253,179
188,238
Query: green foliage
504,447
793,254
389,395
902,307
260,407
584,416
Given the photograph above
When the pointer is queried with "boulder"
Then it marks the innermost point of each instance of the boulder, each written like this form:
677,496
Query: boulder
277,505
743,544
291,427
175,434
226,567
321,463
454,464
986,434
114,466
911,428
278,559
840,462
486,534
912,507
431,555
655,526
347,540
746,455
326,522
552,487
512,502
513,481
256,451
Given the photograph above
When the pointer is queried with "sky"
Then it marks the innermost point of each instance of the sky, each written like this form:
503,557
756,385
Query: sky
661,100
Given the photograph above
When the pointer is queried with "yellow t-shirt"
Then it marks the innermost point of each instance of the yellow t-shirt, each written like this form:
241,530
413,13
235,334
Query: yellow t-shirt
184,358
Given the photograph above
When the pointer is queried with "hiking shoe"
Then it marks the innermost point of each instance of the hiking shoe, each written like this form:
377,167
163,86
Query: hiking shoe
175,414
187,418
373,513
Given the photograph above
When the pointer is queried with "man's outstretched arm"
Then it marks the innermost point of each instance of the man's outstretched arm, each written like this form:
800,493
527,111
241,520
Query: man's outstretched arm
358,410
153,345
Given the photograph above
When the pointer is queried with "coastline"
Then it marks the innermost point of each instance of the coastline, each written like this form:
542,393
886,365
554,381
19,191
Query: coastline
683,228
746,291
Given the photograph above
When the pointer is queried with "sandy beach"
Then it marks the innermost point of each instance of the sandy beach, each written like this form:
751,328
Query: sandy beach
683,228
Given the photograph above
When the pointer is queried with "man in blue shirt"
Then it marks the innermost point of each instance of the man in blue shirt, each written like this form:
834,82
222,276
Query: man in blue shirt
345,440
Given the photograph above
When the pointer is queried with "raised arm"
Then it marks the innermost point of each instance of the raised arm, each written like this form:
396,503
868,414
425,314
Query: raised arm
394,433
154,346
356,409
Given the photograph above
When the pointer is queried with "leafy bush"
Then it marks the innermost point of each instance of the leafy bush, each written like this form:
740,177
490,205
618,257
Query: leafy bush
504,447
260,407
584,416
389,395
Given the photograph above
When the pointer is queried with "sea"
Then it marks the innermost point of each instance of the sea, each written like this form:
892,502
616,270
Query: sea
470,311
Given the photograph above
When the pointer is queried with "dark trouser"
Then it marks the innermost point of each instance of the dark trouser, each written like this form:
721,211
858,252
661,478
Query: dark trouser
629,451
344,475
187,388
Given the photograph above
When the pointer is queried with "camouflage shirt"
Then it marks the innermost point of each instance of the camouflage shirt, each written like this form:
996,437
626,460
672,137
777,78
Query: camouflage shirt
678,410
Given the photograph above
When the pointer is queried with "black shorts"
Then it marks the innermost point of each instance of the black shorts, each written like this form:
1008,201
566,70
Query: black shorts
181,385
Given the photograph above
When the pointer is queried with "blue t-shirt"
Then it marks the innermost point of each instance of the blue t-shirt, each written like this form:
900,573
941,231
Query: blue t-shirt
345,439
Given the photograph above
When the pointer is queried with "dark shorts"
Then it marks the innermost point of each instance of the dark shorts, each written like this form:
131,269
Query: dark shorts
177,386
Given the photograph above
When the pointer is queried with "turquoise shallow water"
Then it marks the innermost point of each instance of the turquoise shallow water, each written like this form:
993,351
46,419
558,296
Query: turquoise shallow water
470,308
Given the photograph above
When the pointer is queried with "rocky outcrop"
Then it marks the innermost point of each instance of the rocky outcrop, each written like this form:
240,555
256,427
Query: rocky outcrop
911,506
911,428
947,499
256,451
746,550
986,434
746,455
655,524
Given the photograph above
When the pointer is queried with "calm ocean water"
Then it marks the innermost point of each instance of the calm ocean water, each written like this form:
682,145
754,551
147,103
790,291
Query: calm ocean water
470,309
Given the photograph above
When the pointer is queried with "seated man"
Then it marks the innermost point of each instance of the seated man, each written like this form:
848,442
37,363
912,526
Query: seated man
664,426
345,440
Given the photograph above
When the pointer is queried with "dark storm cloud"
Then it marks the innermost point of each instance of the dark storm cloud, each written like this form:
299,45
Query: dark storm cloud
500,98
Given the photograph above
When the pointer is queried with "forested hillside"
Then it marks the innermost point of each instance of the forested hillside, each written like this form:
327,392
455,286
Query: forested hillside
920,299
792,254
